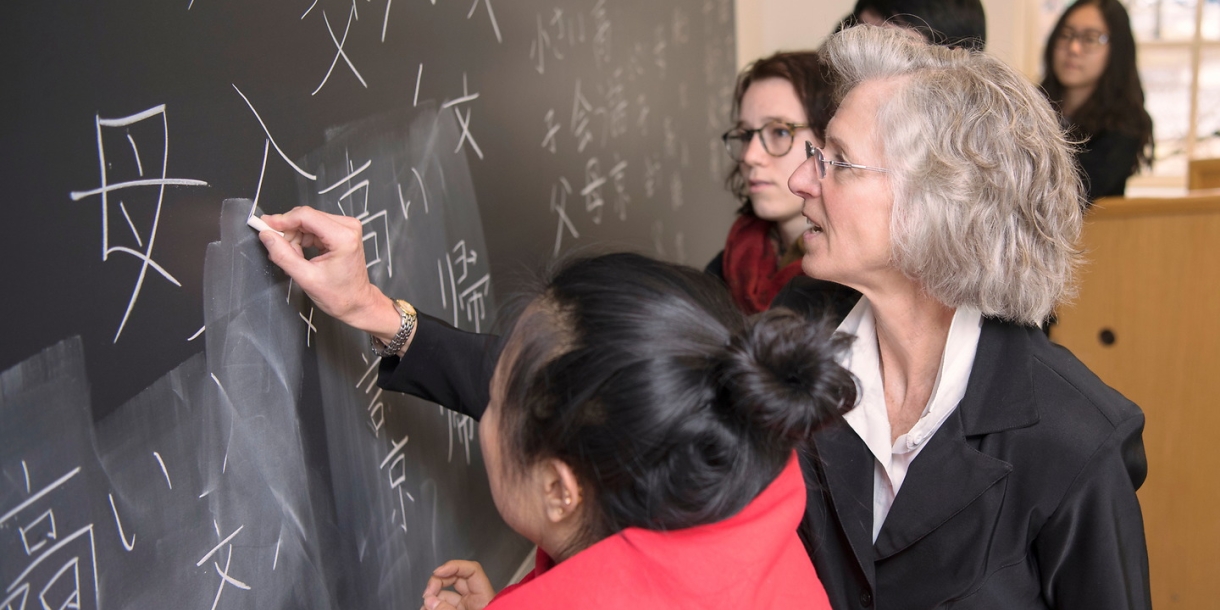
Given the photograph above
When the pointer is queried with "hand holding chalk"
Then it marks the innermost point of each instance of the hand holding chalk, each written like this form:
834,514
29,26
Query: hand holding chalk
257,224
336,279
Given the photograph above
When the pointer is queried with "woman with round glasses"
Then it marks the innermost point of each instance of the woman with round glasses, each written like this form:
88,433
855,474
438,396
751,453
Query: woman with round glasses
1091,78
779,101
983,467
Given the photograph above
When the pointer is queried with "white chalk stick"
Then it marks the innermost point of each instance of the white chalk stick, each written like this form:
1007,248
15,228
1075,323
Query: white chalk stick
257,224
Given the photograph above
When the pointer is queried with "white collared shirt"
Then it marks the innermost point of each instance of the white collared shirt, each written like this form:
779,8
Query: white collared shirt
870,418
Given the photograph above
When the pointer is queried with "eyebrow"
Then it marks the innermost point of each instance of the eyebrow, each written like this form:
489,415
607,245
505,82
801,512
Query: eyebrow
832,141
769,119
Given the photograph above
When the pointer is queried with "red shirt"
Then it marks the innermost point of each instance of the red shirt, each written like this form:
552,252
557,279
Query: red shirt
753,559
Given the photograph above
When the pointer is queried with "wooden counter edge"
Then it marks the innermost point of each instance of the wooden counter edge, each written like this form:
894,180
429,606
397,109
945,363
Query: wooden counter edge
1195,202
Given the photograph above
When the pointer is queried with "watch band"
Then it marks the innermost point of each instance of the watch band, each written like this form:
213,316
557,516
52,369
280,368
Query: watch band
408,316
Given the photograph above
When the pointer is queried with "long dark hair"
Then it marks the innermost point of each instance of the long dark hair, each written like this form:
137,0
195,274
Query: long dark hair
1117,104
808,78
672,408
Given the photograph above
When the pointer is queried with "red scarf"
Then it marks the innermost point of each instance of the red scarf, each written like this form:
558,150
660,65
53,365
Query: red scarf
750,264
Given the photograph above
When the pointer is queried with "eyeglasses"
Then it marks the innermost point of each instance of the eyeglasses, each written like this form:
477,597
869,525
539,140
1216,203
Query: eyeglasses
1090,40
777,138
815,153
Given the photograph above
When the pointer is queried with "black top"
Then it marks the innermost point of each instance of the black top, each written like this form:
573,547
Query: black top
1106,161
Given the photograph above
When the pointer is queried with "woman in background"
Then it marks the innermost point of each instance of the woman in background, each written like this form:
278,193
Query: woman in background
1091,78
779,100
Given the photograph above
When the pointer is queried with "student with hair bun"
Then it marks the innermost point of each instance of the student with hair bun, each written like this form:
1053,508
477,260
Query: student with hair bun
640,429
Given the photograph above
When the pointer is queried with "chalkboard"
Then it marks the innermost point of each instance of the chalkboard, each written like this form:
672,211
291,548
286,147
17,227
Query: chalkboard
179,427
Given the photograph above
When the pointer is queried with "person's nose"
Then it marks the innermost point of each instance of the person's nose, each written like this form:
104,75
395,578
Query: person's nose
754,153
804,182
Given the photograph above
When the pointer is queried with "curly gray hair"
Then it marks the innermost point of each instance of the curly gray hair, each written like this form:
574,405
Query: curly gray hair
987,200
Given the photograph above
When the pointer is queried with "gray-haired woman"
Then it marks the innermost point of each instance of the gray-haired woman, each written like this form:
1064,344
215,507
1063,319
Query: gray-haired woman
984,467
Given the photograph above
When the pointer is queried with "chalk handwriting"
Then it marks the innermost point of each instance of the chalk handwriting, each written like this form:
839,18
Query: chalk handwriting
225,577
386,20
552,128
472,298
377,224
652,171
419,76
58,557
642,122
601,33
340,52
681,27
145,241
422,189
463,427
283,156
616,106
396,459
490,15
119,524
618,174
592,190
658,51
310,329
464,122
164,470
543,42
559,204
581,114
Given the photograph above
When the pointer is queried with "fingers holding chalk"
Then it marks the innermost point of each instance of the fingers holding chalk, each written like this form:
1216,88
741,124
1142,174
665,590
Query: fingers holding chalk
257,224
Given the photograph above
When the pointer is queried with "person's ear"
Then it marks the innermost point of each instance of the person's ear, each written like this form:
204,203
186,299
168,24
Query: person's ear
561,491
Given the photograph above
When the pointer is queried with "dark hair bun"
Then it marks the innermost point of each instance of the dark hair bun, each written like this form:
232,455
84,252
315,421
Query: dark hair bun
780,374
672,407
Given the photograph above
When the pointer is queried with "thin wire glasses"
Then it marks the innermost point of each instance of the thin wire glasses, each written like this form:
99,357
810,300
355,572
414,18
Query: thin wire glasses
777,138
815,153
1090,40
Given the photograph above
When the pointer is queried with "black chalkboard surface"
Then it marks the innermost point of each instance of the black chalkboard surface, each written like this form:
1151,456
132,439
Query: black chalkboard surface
178,426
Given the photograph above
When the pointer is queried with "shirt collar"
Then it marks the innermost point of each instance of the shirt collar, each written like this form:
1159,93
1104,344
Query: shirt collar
870,418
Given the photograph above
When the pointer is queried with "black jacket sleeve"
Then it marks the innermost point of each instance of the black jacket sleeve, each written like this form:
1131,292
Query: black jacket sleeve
445,365
1091,552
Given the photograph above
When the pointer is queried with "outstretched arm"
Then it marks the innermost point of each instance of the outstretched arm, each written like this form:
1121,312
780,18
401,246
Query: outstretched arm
336,279
449,366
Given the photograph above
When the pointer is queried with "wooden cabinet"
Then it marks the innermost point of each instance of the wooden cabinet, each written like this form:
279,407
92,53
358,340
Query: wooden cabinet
1147,321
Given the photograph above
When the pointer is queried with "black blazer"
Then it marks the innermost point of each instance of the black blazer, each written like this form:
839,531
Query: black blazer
1025,497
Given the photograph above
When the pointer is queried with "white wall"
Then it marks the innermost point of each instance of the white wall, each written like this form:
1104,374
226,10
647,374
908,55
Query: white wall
767,26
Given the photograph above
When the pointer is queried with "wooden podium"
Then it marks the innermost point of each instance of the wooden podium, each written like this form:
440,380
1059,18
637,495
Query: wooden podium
1147,321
